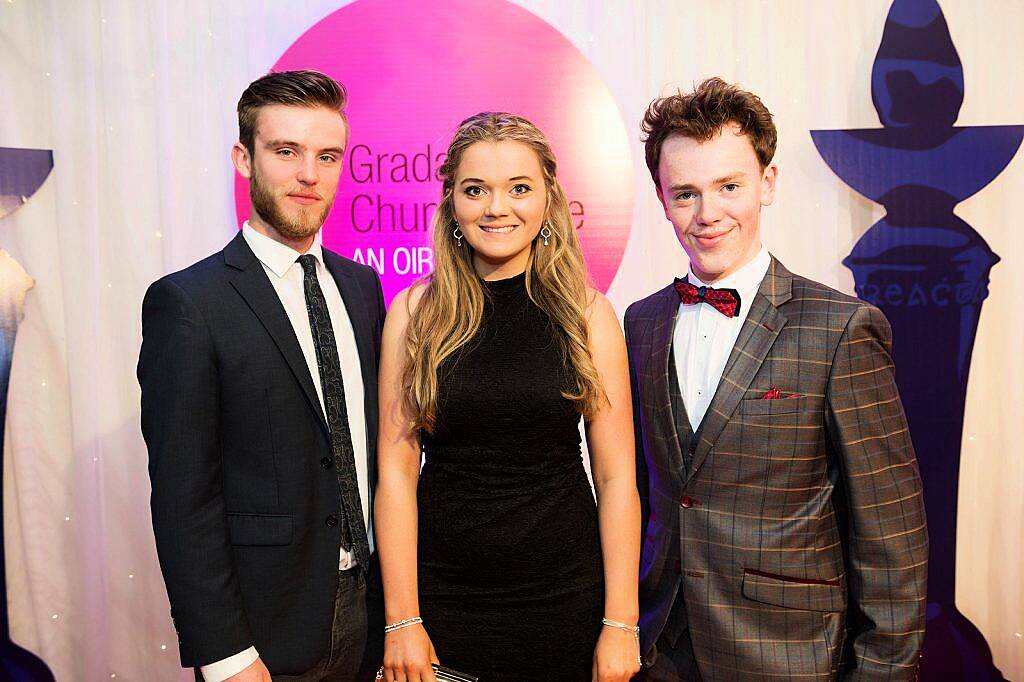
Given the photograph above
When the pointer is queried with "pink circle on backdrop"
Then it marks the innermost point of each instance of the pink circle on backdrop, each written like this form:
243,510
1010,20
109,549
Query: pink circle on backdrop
414,70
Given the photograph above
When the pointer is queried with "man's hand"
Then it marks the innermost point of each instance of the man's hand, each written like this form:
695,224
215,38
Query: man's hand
256,672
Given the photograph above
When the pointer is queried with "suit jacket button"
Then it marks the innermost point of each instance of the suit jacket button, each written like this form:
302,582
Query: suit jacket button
331,521
686,502
326,462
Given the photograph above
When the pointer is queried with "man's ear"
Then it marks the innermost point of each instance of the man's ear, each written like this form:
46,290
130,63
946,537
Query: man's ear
242,160
661,198
768,178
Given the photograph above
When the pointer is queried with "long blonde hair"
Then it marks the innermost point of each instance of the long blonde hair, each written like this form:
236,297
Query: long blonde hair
451,308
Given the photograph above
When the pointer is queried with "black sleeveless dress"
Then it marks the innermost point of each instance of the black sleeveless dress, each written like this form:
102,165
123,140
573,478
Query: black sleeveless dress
510,572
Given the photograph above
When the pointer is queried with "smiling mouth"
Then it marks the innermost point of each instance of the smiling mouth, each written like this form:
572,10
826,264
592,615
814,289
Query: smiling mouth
711,240
304,199
498,229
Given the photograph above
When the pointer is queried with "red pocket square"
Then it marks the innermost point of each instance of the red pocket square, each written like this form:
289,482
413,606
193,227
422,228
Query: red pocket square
774,394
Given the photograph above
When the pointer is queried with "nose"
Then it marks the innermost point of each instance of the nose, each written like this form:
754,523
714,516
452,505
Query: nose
307,174
496,206
708,211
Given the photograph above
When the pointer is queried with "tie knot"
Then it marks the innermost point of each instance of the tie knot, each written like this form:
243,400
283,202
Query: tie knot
308,263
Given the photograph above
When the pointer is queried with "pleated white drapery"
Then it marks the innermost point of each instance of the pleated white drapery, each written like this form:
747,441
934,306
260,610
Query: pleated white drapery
137,101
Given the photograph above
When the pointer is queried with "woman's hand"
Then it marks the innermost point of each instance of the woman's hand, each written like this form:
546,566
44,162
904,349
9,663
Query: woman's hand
408,654
617,655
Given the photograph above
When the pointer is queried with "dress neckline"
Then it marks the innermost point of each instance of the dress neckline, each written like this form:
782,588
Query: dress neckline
507,285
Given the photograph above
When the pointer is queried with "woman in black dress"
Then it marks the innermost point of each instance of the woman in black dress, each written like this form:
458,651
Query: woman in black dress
495,558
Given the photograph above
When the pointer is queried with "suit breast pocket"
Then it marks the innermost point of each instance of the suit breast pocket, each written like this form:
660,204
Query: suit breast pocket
264,530
761,406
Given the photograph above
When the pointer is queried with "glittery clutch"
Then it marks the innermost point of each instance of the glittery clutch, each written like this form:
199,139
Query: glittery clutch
448,675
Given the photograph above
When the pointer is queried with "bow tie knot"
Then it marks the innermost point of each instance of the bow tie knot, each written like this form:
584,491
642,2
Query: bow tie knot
725,301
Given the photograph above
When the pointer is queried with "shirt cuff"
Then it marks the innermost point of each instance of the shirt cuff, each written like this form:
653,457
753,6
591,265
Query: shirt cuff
232,665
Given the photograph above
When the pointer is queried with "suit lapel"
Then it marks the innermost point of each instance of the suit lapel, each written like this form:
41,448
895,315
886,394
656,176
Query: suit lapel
761,328
661,333
355,300
252,283
356,303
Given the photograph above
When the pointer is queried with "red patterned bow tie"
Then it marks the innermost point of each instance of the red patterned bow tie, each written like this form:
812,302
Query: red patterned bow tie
725,301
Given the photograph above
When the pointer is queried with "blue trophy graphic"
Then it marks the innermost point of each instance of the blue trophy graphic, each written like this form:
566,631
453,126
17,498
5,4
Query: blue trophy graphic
22,172
928,271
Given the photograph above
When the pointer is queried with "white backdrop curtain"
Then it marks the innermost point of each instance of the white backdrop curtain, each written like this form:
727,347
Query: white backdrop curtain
137,101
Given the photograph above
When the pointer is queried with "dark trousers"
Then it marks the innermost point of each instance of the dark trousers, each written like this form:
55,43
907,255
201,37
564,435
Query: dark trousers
671,659
670,663
356,649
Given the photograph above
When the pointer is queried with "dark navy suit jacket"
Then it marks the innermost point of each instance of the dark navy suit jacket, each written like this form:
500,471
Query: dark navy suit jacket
239,457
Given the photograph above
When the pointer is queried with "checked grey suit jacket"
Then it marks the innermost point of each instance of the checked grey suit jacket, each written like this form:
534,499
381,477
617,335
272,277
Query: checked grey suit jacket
797,536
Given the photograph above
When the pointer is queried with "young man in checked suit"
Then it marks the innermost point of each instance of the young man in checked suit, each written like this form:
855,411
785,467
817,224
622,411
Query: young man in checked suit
784,525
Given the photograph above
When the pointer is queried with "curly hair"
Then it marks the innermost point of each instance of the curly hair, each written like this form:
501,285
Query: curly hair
701,114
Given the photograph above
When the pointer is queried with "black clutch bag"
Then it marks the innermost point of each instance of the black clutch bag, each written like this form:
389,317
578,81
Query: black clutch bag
448,675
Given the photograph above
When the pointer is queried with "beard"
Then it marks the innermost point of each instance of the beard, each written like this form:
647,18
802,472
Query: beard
305,223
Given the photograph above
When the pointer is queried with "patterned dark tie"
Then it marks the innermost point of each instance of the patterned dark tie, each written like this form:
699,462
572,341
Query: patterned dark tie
353,536
725,301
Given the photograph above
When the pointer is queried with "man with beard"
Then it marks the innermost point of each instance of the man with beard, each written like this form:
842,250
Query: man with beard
259,408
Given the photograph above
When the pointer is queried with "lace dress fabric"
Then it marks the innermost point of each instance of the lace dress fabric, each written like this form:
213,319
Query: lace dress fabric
510,572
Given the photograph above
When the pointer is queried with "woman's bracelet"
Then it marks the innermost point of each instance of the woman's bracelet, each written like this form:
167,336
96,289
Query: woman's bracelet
408,622
635,629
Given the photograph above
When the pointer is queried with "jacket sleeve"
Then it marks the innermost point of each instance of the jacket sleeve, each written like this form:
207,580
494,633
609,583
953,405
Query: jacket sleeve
180,405
382,311
642,477
887,546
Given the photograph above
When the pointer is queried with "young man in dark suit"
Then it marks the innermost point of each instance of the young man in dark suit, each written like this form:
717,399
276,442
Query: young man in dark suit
259,408
784,526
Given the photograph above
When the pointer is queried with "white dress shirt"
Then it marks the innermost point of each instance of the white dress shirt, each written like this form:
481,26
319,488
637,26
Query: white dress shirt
703,337
279,262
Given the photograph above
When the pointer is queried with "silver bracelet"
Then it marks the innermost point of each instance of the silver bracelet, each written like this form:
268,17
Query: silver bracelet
635,629
408,622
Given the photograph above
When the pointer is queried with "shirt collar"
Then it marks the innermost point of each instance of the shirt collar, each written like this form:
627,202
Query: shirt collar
747,280
275,255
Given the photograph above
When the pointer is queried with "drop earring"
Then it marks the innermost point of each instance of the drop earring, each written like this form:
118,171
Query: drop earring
457,233
546,232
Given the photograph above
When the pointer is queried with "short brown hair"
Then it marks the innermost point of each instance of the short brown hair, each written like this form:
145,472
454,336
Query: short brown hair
293,88
702,113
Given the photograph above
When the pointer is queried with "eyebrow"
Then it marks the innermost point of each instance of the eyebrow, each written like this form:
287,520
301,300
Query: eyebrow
289,143
518,177
284,143
717,181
